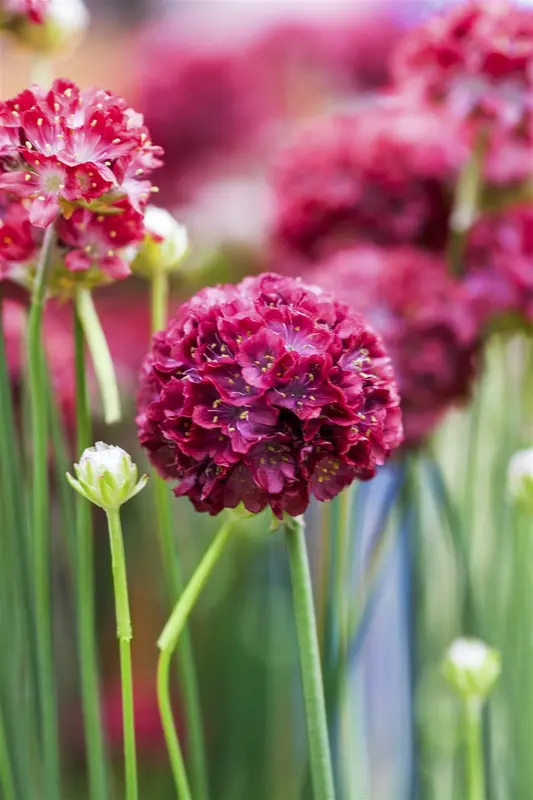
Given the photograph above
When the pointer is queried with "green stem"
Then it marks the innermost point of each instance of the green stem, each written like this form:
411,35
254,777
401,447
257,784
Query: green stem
171,566
84,582
317,730
159,300
168,642
101,357
122,608
40,522
466,205
7,779
475,775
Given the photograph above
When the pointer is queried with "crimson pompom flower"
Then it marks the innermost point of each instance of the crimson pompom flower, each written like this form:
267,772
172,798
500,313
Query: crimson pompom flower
67,147
12,10
425,318
477,60
384,175
264,393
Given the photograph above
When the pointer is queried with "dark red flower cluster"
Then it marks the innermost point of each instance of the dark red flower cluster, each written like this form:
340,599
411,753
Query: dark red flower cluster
477,60
383,175
33,10
265,393
427,323
498,268
202,104
66,147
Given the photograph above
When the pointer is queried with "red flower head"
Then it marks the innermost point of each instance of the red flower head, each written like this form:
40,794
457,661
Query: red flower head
202,104
33,10
68,147
384,175
477,59
498,274
266,393
425,320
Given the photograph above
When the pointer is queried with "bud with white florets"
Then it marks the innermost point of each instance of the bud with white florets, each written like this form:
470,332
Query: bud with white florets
520,479
472,668
106,476
165,244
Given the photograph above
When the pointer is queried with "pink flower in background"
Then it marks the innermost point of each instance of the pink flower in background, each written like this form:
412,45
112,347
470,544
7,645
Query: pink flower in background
425,318
34,10
201,102
476,60
498,267
264,393
17,244
71,147
384,174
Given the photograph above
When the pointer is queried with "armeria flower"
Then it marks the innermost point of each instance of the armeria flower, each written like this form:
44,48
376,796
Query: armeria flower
73,147
426,322
498,275
203,104
165,243
472,668
265,393
477,60
13,11
106,476
384,174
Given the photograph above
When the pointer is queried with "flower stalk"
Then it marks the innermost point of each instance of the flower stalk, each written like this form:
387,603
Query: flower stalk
101,357
317,730
124,634
167,643
88,662
40,521
169,557
475,773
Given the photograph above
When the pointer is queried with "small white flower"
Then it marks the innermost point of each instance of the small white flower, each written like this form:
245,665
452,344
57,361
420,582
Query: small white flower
520,476
165,245
471,667
106,476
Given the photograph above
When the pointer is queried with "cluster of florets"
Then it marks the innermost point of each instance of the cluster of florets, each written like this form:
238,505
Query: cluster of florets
81,160
477,61
384,175
265,393
428,325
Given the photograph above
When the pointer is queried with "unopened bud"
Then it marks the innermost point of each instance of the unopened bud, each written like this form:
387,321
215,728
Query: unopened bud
520,478
165,244
106,476
472,668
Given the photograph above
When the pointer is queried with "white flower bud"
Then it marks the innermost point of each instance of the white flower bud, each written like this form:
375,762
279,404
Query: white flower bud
165,245
520,478
472,668
106,476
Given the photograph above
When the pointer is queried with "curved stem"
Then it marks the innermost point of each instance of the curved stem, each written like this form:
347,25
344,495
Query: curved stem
168,642
171,566
101,357
124,633
474,750
317,730
84,582
40,521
